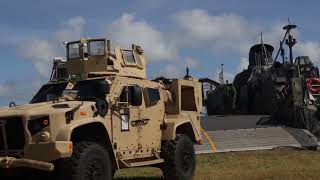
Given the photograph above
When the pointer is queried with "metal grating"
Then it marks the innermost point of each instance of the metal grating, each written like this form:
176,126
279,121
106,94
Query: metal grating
11,134
252,139
304,137
255,139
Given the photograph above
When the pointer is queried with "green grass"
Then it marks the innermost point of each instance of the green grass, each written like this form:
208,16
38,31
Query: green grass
275,164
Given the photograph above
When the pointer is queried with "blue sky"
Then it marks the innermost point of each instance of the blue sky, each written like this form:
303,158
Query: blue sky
175,34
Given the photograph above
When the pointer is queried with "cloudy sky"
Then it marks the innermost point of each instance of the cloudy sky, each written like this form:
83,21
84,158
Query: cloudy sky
200,34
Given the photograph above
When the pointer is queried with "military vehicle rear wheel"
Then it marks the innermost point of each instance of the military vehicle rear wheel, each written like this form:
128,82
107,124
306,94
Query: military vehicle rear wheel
89,161
179,158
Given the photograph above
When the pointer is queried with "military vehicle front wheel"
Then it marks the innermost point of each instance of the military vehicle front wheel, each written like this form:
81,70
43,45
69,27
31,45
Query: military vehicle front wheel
179,158
89,161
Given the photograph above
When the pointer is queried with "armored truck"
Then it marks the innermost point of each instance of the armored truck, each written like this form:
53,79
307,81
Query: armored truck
104,115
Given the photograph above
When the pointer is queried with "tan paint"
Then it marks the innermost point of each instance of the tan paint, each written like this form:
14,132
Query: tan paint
149,124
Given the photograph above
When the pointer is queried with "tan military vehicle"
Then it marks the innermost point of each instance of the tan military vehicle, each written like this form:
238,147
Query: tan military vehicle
104,117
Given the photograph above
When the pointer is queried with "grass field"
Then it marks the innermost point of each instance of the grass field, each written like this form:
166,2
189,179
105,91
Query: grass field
273,164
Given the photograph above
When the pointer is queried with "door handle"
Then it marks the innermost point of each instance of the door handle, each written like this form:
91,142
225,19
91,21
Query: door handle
140,122
145,121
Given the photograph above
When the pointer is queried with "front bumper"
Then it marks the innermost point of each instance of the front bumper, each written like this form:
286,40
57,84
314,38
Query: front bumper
38,156
48,152
11,162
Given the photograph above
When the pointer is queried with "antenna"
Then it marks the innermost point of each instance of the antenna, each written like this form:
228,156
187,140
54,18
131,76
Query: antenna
221,78
289,20
263,55
282,52
290,42
187,76
288,28
262,46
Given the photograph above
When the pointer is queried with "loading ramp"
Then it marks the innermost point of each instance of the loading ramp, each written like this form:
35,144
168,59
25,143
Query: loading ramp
228,134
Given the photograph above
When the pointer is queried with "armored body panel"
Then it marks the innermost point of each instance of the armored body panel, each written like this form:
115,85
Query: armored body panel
93,57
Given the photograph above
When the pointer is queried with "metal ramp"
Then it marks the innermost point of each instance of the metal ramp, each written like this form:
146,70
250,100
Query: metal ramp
255,139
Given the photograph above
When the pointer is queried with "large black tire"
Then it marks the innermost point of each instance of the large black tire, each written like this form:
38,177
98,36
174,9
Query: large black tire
179,158
89,161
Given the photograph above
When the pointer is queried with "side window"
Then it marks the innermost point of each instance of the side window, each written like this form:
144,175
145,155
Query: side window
73,50
129,57
138,59
132,95
97,48
124,95
152,96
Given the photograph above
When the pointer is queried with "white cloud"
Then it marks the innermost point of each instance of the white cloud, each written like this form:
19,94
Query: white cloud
309,48
192,63
19,90
127,30
7,89
227,34
221,33
41,51
273,35
224,34
177,69
173,71
244,62
199,24
72,30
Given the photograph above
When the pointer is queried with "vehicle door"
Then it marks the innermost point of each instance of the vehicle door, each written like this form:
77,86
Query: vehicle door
125,117
152,114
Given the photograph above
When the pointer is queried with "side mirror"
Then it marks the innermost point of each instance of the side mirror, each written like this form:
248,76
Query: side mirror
136,92
102,107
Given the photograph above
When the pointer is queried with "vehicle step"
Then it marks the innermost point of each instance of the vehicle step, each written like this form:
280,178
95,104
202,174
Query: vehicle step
145,163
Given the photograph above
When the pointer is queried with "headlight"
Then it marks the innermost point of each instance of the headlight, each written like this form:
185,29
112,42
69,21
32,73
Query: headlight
35,125
45,136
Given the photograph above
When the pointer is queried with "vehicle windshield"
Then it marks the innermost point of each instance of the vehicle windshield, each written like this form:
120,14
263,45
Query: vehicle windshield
49,92
86,91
